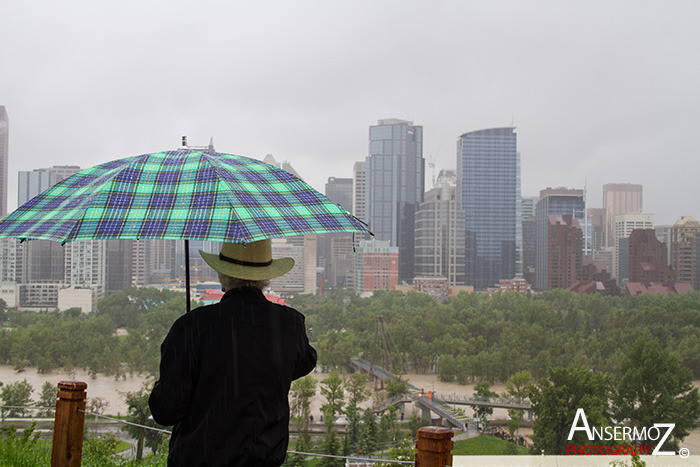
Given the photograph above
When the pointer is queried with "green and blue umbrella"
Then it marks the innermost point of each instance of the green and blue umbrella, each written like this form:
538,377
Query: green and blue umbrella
181,194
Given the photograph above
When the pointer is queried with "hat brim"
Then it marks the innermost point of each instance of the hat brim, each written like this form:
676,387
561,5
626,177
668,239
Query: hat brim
277,268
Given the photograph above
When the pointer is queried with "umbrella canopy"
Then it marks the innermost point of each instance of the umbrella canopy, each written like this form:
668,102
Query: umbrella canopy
182,194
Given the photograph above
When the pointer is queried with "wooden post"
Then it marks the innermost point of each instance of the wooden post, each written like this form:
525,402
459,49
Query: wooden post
68,426
434,447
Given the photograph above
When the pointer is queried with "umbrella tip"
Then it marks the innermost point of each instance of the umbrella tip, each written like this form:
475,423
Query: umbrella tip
184,141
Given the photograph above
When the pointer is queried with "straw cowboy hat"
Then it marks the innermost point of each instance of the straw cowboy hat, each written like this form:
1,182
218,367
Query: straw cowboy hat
252,261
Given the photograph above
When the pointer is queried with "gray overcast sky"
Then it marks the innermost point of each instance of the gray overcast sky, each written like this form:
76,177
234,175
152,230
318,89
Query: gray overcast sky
600,91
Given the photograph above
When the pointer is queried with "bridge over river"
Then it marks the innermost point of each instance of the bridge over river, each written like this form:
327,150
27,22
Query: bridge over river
446,405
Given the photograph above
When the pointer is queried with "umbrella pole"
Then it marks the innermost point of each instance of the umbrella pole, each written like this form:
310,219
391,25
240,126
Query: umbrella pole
187,275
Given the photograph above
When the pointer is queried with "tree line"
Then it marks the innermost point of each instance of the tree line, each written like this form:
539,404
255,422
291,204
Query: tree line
476,337
469,338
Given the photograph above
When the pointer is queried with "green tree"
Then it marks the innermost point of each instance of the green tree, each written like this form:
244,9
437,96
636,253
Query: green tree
396,387
482,390
518,386
334,351
447,368
302,390
556,399
139,412
332,390
330,443
356,386
414,424
47,398
388,426
654,388
368,434
17,395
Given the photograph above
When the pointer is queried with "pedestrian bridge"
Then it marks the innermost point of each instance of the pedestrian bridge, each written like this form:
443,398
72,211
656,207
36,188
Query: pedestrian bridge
444,406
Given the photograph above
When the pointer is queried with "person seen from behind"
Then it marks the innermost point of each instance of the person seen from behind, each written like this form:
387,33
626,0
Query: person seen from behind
226,369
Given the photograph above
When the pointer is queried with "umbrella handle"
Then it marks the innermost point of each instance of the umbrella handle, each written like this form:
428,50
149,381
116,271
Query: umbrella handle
187,275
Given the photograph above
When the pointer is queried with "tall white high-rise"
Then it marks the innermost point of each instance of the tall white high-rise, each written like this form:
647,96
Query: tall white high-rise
4,157
619,198
359,188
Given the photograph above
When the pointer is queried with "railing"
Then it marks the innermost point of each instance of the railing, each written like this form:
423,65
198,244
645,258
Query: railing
438,406
434,444
499,402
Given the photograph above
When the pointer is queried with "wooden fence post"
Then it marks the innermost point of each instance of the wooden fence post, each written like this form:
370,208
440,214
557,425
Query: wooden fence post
68,427
434,447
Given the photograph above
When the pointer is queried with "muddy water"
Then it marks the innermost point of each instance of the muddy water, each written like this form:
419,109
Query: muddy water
114,391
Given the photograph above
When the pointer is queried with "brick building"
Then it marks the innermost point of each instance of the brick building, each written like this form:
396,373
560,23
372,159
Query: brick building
648,261
376,266
564,251
596,278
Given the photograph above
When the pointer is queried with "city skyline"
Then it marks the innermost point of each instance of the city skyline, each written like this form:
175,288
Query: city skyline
599,93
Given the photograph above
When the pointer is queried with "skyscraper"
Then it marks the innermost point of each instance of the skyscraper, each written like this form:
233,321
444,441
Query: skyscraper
359,190
339,190
685,251
619,198
41,260
4,156
553,201
395,185
529,205
564,251
32,182
334,261
488,183
440,233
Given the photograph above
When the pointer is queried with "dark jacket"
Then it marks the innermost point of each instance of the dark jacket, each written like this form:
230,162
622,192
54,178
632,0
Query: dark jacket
225,374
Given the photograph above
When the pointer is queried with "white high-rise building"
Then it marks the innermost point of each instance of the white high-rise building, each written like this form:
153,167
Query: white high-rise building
619,198
8,259
4,158
85,264
359,190
302,277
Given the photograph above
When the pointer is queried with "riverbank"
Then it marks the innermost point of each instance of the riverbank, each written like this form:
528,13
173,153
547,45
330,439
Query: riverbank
114,392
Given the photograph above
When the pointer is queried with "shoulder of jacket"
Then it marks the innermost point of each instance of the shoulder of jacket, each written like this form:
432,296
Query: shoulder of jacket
288,309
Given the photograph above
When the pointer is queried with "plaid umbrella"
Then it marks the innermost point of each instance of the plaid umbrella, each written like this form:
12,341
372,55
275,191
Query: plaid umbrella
181,194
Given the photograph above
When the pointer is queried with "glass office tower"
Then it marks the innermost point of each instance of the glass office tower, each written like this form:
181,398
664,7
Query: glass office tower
395,185
488,179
